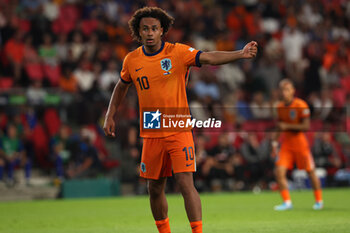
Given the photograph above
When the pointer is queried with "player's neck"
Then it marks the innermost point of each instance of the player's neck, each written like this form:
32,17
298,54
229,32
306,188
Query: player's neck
153,49
288,102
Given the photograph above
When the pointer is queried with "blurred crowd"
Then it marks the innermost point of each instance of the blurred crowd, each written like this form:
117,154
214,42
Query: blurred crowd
74,49
38,137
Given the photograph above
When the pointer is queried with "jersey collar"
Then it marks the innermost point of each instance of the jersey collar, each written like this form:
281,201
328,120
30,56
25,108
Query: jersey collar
155,53
287,105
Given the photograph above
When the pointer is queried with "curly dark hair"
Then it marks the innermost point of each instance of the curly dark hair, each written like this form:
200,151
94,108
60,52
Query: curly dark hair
153,12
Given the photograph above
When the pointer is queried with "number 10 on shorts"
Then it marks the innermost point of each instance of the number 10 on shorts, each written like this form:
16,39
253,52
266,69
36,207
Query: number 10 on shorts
189,152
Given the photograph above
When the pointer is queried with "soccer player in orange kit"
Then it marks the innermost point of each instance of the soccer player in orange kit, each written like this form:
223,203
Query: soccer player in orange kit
293,119
159,71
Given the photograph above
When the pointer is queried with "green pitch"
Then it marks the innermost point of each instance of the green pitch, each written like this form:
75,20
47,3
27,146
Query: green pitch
222,213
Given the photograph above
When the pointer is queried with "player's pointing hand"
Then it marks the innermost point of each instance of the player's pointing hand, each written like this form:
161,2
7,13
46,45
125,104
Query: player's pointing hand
109,126
250,50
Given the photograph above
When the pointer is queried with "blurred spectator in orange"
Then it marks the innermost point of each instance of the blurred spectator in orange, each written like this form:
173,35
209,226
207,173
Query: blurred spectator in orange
68,81
14,51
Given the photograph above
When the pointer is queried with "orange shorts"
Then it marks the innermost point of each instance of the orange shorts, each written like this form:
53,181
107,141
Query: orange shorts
301,157
162,155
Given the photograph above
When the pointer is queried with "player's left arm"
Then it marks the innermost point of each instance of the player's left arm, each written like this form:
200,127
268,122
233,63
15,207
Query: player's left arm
223,57
303,126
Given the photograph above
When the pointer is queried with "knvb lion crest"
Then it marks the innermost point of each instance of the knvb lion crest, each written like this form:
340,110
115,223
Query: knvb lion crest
292,114
166,65
143,167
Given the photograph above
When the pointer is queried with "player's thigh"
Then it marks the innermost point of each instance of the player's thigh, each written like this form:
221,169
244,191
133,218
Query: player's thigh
304,160
280,172
184,180
182,153
156,187
285,158
155,161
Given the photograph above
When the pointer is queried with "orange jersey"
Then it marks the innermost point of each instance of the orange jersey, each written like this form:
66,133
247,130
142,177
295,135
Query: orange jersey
160,79
293,114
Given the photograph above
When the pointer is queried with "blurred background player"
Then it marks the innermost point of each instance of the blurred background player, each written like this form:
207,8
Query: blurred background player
159,72
293,120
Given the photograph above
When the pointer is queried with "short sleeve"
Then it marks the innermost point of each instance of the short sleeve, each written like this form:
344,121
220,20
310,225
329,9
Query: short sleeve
304,110
189,55
125,74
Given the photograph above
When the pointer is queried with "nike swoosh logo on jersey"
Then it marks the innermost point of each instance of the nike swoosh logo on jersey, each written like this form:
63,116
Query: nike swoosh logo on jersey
187,165
138,69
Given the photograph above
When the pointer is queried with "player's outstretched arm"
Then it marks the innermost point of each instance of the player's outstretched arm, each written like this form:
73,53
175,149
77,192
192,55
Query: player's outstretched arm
118,95
223,57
